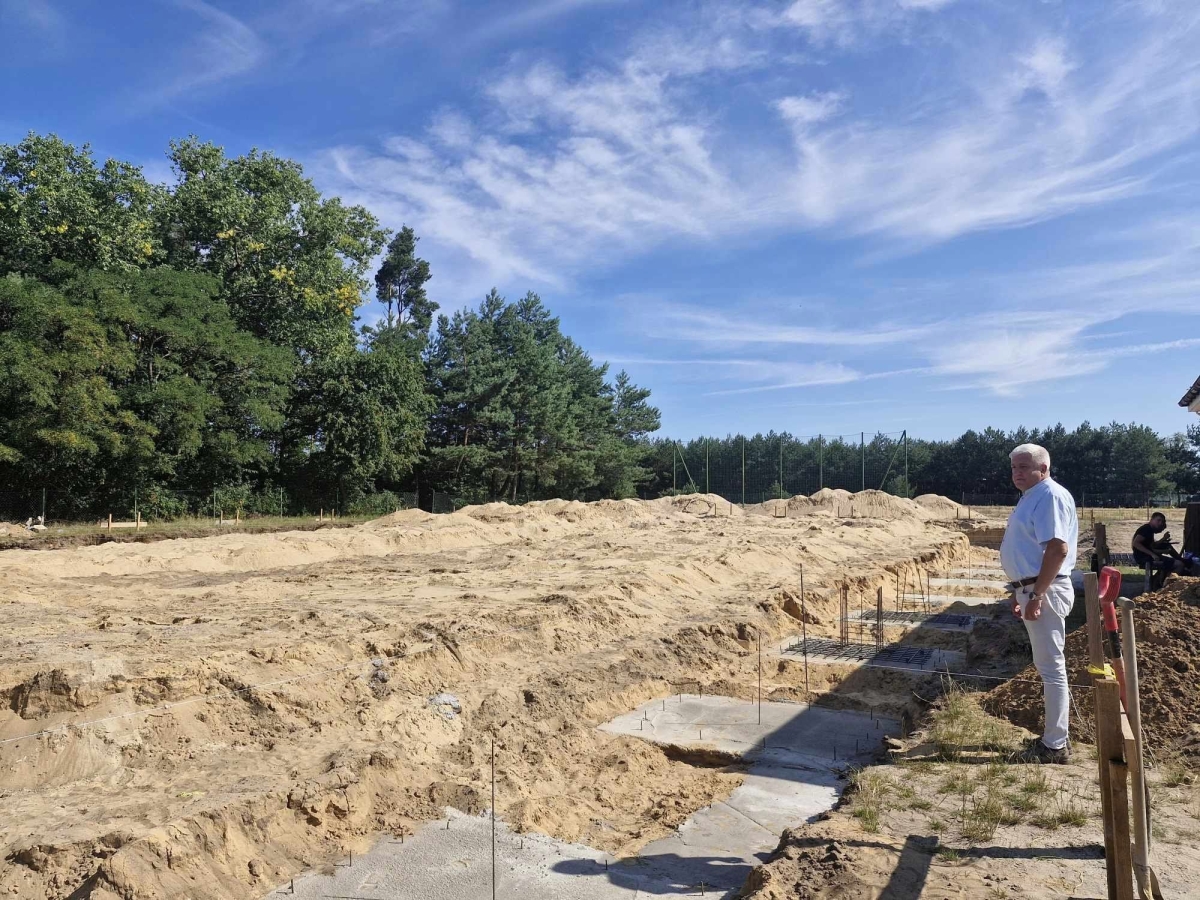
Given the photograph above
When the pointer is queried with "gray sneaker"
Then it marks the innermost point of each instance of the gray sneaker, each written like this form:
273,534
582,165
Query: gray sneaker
1037,752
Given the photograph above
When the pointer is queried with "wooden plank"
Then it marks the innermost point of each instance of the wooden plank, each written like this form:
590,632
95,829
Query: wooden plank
1118,849
1137,771
1118,781
1127,739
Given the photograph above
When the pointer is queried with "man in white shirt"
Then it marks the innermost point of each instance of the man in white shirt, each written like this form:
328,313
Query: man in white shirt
1038,554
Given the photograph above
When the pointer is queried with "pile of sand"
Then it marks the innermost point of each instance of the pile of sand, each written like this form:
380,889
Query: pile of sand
1168,642
939,507
869,504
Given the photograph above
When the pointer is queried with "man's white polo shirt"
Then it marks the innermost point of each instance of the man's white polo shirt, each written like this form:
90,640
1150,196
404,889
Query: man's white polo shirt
1046,511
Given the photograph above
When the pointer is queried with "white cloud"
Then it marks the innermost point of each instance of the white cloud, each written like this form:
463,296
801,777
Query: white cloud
843,22
222,48
561,173
38,14
532,15
808,110
696,323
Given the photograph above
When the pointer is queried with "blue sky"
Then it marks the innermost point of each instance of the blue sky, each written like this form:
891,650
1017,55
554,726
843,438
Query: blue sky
819,216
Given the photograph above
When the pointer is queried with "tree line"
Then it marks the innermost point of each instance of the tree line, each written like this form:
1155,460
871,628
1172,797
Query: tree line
1112,464
168,341
161,344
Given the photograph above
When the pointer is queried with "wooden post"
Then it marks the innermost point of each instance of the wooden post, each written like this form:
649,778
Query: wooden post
137,522
110,521
1110,754
1100,543
1137,770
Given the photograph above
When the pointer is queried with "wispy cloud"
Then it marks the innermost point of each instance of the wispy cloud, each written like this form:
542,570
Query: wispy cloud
532,15
845,21
696,323
559,169
39,14
222,48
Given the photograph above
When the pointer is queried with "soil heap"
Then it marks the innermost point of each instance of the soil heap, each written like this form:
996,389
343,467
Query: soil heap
1168,641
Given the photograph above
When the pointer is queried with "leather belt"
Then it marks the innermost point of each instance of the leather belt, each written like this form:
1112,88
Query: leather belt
1026,582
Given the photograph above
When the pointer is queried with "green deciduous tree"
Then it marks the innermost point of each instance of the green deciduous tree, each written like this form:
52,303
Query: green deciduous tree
58,203
292,264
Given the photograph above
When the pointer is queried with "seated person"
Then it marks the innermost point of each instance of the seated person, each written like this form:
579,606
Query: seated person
1157,553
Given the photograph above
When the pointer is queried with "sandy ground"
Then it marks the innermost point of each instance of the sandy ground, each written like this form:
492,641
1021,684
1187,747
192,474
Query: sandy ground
217,714
928,826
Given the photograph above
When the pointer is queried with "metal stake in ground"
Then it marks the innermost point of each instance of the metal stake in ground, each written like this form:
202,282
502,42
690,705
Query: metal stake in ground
758,640
804,633
493,817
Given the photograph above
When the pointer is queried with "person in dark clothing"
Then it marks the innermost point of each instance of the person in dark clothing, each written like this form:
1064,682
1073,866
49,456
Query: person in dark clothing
1150,551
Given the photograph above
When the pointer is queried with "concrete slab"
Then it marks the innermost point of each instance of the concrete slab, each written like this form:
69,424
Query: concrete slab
936,621
947,599
793,779
828,652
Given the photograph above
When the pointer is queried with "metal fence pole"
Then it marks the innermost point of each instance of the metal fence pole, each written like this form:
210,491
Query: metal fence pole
781,467
743,470
707,489
674,467
820,462
43,506
907,483
862,443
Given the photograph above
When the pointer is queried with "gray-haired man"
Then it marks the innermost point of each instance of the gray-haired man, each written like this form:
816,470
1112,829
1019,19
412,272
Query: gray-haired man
1038,554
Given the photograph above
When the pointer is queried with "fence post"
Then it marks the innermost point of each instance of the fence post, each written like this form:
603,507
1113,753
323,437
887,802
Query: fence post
907,483
781,467
743,470
820,462
862,443
281,503
674,467
43,506
707,486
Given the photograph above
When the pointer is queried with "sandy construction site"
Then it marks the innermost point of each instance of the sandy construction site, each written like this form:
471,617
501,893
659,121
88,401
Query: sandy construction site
212,718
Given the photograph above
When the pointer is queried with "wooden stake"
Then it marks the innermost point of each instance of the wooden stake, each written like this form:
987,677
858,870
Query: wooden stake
1111,751
1137,771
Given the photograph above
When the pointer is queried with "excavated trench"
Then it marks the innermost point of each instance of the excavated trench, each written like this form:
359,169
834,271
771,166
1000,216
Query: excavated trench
228,772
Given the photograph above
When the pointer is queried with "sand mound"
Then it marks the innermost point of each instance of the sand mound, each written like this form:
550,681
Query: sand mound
403,517
1168,639
938,506
699,505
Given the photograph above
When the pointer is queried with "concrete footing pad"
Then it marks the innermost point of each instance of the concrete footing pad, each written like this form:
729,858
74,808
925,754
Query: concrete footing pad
946,599
792,776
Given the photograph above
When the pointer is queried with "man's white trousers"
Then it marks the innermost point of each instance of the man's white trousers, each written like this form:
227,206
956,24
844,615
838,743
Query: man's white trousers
1048,636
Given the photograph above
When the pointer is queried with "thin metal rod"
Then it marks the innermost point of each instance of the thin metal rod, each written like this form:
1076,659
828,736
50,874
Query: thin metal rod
758,640
493,817
804,632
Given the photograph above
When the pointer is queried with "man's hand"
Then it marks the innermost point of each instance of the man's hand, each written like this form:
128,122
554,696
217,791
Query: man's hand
1016,607
1033,609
